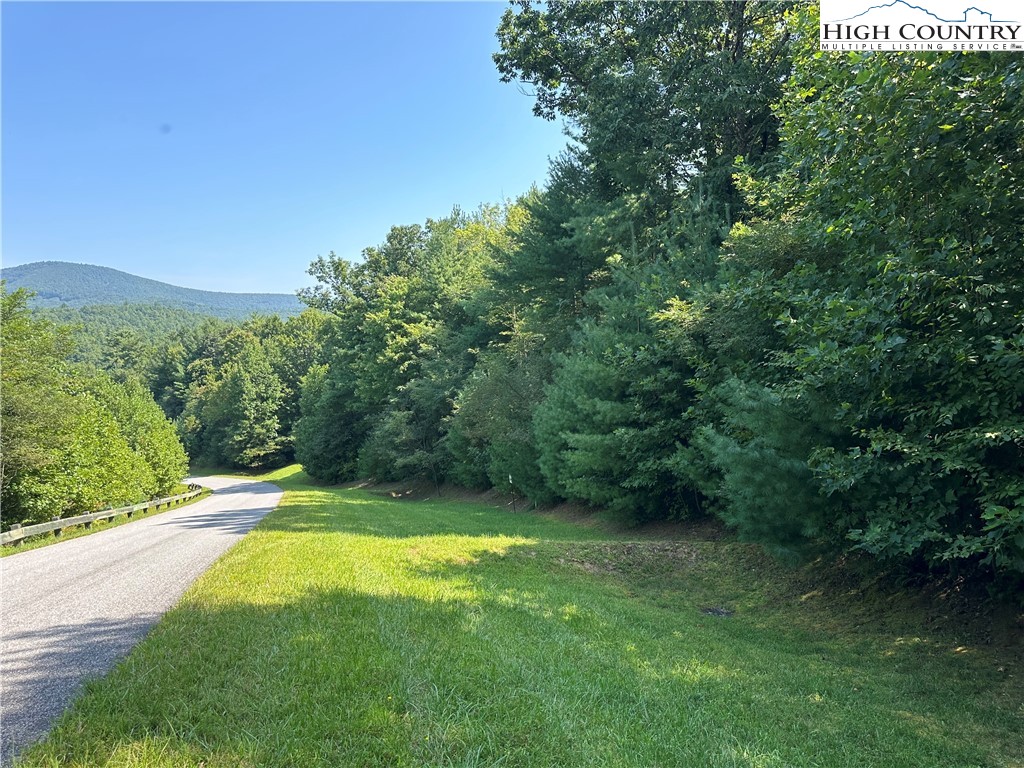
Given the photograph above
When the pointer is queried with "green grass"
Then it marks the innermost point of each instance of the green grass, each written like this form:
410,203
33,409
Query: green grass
354,630
77,531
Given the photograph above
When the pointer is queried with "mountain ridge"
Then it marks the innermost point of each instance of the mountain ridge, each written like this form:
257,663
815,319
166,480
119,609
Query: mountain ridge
63,283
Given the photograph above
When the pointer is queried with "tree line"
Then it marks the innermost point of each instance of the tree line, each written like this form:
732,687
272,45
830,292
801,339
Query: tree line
765,283
762,282
106,405
74,439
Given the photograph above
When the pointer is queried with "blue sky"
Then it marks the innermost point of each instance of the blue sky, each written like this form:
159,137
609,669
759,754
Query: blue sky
225,145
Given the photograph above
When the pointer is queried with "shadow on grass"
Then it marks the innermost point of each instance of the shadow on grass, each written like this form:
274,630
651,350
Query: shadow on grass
496,656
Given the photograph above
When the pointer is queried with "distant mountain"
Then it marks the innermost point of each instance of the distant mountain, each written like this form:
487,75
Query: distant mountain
59,283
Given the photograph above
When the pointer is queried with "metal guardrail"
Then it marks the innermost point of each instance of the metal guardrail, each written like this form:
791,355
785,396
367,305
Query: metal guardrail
19,532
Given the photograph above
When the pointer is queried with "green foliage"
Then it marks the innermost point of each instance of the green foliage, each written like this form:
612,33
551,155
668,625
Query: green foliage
73,440
231,416
233,389
407,321
292,347
33,363
123,339
616,413
349,629
766,490
525,352
145,429
661,94
551,260
490,434
253,438
329,431
896,287
766,282
90,468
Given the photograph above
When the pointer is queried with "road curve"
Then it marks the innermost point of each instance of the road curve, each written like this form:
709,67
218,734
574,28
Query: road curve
70,611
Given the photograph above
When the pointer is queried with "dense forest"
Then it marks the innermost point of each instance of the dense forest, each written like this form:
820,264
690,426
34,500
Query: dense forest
777,286
764,283
74,439
121,338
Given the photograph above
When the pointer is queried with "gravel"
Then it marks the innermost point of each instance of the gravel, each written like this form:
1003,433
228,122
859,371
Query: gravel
70,611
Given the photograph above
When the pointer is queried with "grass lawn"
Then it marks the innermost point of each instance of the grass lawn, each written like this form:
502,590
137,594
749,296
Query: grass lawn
350,629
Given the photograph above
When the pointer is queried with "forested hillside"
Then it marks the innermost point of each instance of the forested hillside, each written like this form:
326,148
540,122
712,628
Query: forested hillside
763,283
74,439
768,284
120,337
57,283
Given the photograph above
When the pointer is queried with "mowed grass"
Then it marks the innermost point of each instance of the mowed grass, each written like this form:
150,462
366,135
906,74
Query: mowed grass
350,629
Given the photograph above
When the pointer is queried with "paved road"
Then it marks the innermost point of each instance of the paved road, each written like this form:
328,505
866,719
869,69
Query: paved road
70,611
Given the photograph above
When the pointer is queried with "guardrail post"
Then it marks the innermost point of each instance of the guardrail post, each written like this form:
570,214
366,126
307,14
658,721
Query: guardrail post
56,524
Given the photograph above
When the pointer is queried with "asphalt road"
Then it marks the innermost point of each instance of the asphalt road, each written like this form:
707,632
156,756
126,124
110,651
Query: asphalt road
70,611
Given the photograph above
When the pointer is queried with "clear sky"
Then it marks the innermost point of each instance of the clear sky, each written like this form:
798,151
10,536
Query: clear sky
225,145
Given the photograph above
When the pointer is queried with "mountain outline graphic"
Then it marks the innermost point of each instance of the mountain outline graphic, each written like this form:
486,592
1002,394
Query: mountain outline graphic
933,15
